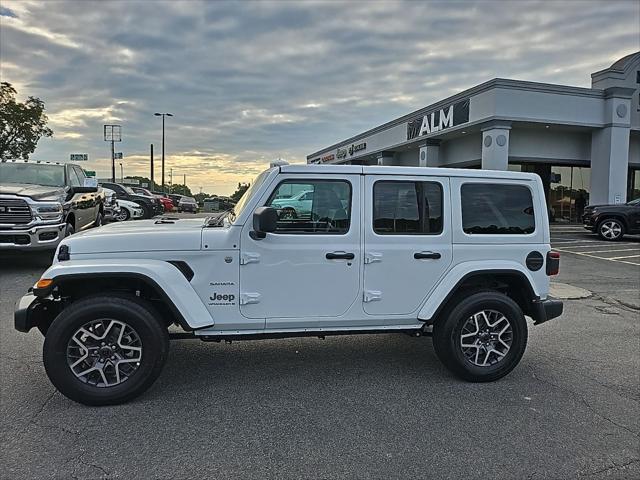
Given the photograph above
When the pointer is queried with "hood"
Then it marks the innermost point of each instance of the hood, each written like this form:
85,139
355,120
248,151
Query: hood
139,236
37,192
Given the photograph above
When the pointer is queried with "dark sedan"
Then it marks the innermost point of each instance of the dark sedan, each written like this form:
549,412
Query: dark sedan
188,204
612,222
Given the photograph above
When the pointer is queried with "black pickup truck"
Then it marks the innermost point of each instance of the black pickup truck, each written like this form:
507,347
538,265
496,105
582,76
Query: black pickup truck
43,202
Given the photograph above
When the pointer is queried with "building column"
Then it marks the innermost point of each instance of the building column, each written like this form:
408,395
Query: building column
610,150
386,158
495,147
429,154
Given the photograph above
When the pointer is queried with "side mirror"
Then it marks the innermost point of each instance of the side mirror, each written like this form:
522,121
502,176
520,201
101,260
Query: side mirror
265,220
74,190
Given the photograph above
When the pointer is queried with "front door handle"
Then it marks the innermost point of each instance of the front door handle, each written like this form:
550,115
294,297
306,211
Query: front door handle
423,255
340,256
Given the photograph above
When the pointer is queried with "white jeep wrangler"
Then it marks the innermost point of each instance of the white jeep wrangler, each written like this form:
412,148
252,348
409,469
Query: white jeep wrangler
460,255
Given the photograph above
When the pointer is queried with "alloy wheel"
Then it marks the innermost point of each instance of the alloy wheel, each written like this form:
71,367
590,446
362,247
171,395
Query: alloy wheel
104,353
486,338
611,229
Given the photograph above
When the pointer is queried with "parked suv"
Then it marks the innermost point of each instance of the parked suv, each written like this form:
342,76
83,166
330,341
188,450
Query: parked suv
151,205
43,202
459,255
612,222
187,204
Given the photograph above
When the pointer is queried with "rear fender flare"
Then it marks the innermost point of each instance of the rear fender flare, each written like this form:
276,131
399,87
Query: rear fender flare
461,272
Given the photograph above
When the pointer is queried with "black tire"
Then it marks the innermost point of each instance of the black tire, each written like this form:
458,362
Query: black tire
288,213
99,219
69,229
148,211
610,229
448,328
135,313
124,215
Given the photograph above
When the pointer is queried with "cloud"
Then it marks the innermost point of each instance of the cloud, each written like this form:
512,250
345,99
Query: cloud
252,81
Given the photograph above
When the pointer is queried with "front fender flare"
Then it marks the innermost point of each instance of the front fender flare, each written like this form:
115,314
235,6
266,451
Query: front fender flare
168,280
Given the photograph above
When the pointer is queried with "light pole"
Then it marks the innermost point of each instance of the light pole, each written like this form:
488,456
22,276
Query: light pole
113,133
163,115
121,173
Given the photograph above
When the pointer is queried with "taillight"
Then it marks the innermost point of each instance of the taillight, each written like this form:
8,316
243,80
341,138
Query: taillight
553,262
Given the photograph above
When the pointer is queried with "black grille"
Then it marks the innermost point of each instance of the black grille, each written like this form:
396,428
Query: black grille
15,239
14,211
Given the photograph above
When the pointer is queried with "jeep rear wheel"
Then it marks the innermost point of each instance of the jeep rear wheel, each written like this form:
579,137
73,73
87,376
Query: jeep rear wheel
482,337
105,350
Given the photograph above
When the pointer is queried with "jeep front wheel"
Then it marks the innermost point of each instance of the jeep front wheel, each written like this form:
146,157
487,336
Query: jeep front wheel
482,337
105,350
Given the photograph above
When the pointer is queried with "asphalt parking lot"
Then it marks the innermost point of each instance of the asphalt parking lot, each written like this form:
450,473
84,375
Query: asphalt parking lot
350,407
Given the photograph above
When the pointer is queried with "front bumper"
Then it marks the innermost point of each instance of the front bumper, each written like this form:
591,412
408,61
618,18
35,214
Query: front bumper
32,311
544,310
40,237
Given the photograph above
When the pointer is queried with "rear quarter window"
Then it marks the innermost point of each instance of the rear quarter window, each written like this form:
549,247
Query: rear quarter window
498,209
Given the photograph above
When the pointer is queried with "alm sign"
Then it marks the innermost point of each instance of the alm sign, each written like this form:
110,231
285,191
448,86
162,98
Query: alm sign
437,120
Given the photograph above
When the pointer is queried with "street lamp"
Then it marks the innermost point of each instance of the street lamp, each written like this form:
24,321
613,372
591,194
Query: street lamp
163,115
121,173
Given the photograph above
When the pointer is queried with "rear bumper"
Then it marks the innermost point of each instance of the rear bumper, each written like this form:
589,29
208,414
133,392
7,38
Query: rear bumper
544,310
41,237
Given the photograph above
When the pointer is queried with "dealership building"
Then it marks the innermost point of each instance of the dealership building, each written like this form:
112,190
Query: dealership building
583,142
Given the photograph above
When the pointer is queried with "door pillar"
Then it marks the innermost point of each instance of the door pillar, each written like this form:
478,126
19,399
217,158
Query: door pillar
430,154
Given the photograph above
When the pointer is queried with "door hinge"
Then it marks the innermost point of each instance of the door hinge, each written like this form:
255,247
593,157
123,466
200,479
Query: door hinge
372,257
247,298
248,257
372,296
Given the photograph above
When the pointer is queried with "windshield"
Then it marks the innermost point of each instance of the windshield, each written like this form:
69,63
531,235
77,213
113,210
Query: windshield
237,210
187,200
38,174
129,190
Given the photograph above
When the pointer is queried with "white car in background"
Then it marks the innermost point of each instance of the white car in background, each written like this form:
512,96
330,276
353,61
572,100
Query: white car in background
129,210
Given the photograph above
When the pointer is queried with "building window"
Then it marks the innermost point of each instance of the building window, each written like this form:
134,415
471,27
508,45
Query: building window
497,209
312,206
407,208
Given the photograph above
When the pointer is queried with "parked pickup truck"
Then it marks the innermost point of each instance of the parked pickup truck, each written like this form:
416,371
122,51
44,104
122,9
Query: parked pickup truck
43,202
459,255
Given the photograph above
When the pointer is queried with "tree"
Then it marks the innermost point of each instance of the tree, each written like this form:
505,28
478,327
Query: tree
180,189
21,124
242,187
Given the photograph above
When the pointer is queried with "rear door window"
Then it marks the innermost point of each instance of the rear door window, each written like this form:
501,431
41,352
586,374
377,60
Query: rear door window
494,208
406,208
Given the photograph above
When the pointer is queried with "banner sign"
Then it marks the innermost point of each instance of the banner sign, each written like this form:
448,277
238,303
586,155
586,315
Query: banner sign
117,156
450,116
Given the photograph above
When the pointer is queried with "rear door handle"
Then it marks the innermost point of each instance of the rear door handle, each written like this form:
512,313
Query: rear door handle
340,256
423,255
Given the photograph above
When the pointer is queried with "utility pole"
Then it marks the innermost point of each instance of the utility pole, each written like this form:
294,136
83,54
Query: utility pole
152,183
170,178
184,182
121,173
163,115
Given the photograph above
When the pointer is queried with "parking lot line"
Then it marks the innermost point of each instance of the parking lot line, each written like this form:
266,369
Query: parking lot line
627,256
616,250
601,244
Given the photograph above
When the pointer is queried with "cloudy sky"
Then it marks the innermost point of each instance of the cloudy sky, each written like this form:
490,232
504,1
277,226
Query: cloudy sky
250,82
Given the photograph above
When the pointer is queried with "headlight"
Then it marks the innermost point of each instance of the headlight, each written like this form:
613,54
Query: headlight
49,211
